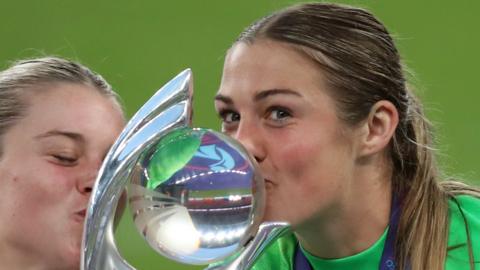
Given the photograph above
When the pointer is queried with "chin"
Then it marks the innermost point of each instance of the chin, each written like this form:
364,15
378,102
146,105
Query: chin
72,262
67,262
270,216
71,256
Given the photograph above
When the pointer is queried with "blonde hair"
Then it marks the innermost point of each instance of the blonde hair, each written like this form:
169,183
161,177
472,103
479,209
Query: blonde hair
362,66
24,75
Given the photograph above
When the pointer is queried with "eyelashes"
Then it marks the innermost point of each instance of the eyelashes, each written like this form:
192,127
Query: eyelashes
64,160
229,116
278,113
273,115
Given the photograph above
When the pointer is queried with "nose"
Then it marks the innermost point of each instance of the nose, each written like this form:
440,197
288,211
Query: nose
251,137
87,179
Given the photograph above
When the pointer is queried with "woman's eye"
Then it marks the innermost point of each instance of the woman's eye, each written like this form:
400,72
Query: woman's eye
279,114
65,160
229,116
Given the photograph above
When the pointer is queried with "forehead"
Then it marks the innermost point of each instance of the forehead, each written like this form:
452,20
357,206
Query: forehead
266,64
62,95
72,107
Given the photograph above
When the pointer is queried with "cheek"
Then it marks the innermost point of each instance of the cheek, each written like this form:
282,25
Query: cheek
314,164
38,203
41,188
299,156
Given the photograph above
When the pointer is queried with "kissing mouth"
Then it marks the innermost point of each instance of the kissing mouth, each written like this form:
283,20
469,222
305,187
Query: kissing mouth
80,215
269,184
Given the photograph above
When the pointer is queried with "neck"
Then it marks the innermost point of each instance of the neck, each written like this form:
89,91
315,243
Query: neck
356,221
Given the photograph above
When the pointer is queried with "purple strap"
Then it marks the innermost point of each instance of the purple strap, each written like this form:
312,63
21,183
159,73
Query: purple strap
301,262
388,256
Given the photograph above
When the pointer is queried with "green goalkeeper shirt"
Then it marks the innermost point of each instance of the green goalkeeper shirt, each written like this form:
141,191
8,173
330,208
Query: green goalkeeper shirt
280,254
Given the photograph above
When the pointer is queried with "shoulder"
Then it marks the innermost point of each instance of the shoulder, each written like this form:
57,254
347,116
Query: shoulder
279,255
464,212
468,203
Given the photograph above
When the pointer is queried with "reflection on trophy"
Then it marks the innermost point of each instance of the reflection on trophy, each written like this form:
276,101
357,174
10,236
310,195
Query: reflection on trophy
195,194
191,196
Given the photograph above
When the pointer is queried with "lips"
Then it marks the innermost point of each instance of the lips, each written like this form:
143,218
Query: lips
269,184
80,215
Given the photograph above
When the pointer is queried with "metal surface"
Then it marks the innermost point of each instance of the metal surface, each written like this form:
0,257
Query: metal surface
168,109
217,207
196,196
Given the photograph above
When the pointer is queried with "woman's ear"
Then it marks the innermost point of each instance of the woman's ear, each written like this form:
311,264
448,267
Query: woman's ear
379,128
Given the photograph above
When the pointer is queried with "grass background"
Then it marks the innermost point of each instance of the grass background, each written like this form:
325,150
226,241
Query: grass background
139,45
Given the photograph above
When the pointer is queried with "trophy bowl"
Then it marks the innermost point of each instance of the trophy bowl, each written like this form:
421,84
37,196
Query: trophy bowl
196,196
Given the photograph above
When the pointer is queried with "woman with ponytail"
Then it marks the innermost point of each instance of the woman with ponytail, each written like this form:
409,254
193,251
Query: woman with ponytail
317,94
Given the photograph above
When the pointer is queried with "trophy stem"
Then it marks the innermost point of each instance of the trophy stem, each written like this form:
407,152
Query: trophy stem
168,109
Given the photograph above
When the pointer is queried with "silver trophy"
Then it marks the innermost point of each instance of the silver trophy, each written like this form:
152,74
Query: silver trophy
195,194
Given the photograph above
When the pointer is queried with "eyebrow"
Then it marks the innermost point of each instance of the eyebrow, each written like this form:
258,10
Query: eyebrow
224,99
71,135
261,95
271,92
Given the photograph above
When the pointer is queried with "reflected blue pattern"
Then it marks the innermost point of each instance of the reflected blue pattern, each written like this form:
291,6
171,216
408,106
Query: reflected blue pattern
225,166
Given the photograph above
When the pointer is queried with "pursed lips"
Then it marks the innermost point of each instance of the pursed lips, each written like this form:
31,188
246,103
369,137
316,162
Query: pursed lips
80,215
269,183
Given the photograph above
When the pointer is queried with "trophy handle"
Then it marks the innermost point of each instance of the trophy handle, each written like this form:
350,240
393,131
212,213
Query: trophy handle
168,109
266,235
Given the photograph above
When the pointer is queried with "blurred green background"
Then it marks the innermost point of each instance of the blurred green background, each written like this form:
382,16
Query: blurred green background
139,45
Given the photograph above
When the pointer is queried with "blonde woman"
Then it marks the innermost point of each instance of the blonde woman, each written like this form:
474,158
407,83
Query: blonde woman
57,122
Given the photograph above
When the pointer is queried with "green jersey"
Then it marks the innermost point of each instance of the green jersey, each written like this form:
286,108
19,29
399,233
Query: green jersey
280,254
